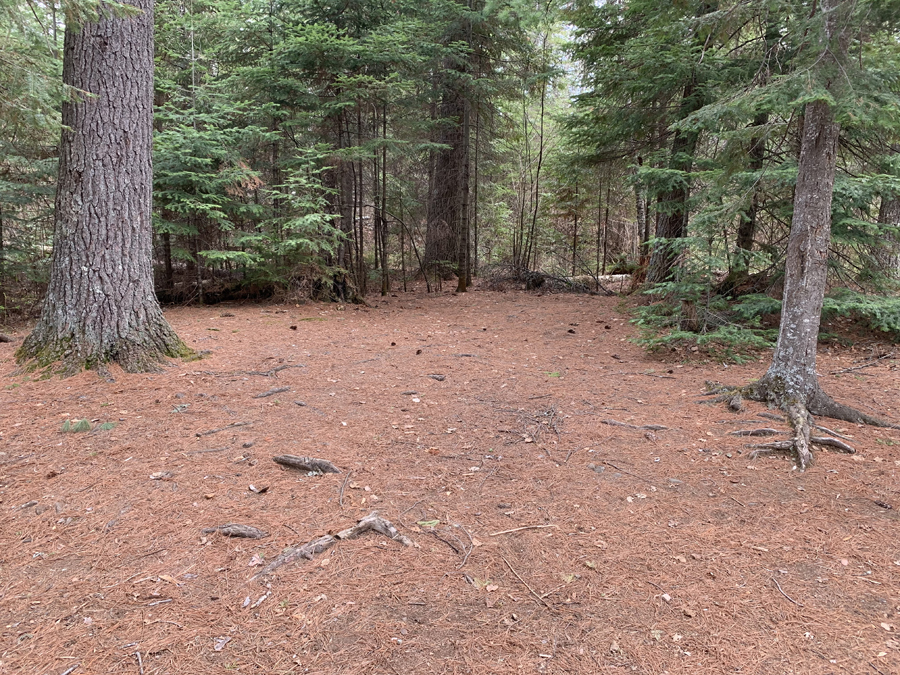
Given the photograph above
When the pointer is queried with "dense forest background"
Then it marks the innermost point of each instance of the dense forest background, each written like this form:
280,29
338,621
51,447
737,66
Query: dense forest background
337,149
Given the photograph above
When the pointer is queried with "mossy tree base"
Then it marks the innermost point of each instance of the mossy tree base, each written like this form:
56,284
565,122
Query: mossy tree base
68,354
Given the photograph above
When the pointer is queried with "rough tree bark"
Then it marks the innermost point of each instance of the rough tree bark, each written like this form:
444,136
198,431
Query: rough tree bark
791,382
100,305
444,201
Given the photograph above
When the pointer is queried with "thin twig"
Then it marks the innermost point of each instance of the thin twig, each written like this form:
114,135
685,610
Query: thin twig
517,529
628,472
227,426
484,480
70,669
471,548
864,365
780,590
343,485
737,501
272,392
525,583
140,662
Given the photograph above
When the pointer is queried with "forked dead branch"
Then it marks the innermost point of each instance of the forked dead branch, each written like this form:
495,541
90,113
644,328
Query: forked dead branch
371,522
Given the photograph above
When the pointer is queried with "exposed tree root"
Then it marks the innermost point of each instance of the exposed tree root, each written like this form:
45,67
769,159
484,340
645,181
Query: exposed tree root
755,432
650,427
798,414
371,522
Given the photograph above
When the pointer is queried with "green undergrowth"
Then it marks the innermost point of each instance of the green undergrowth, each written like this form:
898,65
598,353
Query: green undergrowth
735,330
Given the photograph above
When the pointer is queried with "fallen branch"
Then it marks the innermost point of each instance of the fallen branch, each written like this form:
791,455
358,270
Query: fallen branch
371,522
649,427
225,428
525,583
306,463
5,338
272,392
237,530
867,364
519,529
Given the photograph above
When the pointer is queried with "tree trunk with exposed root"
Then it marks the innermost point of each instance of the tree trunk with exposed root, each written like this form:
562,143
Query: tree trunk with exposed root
791,383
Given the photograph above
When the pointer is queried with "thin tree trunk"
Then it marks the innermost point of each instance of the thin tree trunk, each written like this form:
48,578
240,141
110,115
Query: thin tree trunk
672,223
791,380
887,253
100,305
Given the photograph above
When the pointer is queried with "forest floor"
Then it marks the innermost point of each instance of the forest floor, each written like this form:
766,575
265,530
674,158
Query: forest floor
545,539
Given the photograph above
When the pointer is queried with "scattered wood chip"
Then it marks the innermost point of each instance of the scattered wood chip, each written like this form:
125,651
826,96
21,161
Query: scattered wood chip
439,378
306,463
371,522
882,504
162,475
237,530
272,392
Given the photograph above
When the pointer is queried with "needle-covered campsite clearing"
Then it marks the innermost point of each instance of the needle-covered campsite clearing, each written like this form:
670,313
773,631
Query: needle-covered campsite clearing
550,498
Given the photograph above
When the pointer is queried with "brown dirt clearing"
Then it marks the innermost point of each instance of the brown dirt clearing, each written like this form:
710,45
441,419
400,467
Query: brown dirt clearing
658,551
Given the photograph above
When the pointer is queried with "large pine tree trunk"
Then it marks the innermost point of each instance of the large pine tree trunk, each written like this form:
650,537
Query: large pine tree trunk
100,305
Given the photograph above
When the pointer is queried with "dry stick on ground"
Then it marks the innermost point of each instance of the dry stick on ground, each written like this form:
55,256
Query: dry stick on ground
371,522
306,463
649,427
70,669
272,392
778,586
205,452
343,485
628,472
519,529
471,548
525,583
225,428
5,338
867,364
